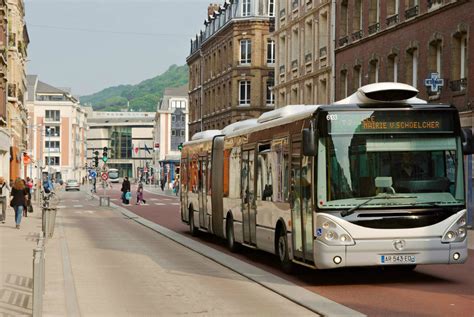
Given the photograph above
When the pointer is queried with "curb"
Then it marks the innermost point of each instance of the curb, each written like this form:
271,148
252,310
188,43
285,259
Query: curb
311,301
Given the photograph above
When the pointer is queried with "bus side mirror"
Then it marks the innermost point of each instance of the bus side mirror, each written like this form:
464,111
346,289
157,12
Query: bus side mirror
467,141
310,147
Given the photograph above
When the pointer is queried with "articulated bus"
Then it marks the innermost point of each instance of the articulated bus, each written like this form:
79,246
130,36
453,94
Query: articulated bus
375,179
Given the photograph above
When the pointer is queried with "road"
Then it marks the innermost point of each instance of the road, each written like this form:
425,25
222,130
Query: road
432,290
116,267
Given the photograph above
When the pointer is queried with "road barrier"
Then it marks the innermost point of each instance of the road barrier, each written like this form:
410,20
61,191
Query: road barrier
38,276
49,221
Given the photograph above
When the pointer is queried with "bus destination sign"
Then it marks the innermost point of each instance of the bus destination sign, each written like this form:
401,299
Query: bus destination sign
389,122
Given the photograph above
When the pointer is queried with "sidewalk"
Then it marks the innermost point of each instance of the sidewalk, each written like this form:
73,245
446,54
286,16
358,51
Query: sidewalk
16,262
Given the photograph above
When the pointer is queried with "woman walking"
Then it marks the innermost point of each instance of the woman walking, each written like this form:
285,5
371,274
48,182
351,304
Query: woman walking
19,197
125,189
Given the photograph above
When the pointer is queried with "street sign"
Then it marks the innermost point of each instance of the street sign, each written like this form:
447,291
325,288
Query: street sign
104,176
434,83
92,173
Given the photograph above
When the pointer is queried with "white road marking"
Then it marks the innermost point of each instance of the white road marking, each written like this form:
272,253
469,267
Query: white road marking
175,204
160,204
61,207
78,206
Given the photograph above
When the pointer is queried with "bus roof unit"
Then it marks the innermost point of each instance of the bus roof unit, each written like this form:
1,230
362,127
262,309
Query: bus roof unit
239,125
285,112
383,92
208,134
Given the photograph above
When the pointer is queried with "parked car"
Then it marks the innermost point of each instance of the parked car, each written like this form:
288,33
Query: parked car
72,184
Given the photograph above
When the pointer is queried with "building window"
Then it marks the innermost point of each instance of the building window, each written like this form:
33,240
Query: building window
308,94
182,132
271,8
392,68
270,94
357,79
173,118
343,89
245,51
270,51
344,19
434,58
308,41
52,145
374,71
52,115
412,67
459,68
52,131
173,132
294,95
295,48
245,8
244,98
357,21
52,160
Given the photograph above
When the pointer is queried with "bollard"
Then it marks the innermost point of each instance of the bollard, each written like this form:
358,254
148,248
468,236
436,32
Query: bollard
38,281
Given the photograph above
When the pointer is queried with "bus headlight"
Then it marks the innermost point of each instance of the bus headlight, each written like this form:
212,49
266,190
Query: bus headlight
331,233
457,231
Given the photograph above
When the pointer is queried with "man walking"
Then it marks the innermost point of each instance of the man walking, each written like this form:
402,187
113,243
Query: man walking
125,190
3,197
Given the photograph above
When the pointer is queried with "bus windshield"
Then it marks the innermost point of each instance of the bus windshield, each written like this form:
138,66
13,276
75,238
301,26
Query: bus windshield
113,173
391,156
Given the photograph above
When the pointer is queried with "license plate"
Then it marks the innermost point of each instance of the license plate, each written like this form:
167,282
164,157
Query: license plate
397,259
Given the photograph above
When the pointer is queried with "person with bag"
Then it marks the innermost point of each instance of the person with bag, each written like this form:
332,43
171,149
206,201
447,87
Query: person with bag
4,197
28,200
140,199
176,186
125,190
19,195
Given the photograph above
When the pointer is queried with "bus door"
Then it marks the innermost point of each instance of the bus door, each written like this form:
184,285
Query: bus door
202,192
249,217
301,204
183,192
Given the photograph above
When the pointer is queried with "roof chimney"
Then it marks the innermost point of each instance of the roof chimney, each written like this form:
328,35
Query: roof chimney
211,8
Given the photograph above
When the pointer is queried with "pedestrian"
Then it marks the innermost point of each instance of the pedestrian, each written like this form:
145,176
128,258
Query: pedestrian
140,199
28,200
19,195
125,189
176,186
4,197
162,184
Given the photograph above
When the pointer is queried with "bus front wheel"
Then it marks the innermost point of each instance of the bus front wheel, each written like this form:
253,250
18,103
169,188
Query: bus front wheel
283,253
231,244
192,228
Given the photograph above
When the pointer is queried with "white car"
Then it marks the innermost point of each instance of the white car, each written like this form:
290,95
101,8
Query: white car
72,184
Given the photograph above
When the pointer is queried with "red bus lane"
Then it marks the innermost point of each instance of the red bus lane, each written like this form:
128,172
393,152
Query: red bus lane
432,290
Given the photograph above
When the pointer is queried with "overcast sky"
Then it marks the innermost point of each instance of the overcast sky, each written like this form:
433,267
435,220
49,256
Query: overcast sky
89,45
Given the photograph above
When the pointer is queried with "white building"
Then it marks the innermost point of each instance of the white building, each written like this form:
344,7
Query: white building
57,126
128,137
171,130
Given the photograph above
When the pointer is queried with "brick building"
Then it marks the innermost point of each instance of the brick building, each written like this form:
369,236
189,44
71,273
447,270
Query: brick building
231,65
305,52
407,41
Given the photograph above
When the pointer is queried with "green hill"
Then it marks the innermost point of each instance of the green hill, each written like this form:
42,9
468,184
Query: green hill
142,97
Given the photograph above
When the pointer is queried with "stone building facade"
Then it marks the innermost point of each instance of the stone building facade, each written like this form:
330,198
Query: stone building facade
305,52
14,42
57,132
231,65
407,41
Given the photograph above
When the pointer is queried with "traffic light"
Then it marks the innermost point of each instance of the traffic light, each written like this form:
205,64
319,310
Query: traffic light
96,159
105,155
180,146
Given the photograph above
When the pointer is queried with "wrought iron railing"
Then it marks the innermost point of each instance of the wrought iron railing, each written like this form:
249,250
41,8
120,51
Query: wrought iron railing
458,85
282,69
411,12
295,4
392,20
308,57
374,28
357,35
343,40
323,51
294,64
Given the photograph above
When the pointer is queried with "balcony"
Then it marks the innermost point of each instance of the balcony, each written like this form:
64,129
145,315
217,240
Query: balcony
282,70
308,58
357,35
294,64
295,4
433,4
374,28
411,12
282,13
52,150
323,51
392,20
343,41
12,90
458,85
52,119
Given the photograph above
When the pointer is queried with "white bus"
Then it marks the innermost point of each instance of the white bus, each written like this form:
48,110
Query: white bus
113,175
329,186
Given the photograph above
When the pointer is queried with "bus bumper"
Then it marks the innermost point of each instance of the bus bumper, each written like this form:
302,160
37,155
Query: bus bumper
376,253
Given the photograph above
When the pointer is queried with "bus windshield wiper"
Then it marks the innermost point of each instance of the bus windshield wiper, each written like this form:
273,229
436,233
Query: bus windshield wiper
350,211
431,203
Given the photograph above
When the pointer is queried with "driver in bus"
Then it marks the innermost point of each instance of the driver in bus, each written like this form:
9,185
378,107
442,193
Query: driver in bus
408,168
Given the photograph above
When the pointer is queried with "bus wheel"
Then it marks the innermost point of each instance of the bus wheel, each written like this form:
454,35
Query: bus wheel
231,244
192,228
283,253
